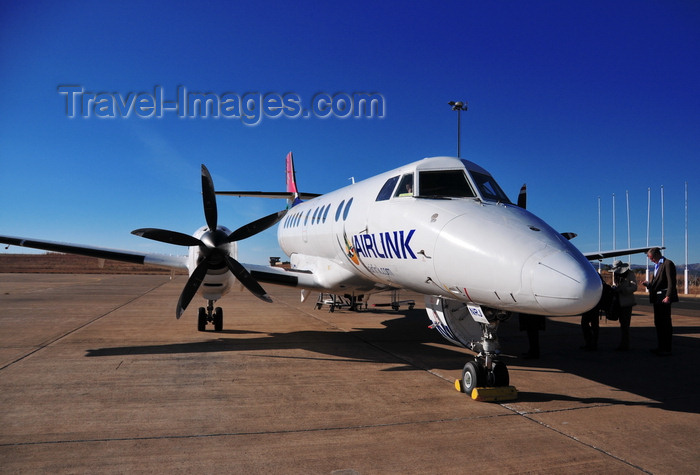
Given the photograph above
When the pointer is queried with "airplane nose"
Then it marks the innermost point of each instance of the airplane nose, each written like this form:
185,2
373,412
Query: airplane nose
563,284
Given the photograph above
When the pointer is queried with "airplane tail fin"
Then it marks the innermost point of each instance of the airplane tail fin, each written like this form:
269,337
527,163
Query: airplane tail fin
292,194
292,182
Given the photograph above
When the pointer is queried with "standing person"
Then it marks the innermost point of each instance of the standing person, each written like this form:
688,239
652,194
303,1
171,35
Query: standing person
624,286
590,326
532,324
662,293
590,320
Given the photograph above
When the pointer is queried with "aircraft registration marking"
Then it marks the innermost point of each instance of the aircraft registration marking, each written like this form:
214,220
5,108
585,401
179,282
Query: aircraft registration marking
476,313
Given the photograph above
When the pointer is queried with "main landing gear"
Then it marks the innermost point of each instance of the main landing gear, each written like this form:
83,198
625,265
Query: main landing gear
351,301
210,315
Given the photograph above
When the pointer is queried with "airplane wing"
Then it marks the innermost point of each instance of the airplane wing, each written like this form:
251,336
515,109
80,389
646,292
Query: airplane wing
282,276
272,275
162,260
592,256
302,278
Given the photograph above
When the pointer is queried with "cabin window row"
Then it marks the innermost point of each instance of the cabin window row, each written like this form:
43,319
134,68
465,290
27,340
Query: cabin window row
317,215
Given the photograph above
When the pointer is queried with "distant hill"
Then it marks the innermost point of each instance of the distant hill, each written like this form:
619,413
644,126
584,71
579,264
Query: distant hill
692,268
57,263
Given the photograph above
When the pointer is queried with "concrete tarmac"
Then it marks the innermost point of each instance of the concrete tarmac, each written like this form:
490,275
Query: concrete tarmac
97,376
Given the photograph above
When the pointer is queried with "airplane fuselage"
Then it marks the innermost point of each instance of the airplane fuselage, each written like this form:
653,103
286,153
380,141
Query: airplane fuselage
439,226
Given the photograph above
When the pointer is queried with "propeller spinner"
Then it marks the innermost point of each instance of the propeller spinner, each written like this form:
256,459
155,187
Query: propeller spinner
213,246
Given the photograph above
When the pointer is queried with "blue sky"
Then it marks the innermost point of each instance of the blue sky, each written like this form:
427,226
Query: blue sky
576,99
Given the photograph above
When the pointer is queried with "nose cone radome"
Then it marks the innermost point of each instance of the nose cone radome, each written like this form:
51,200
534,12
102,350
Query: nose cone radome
564,284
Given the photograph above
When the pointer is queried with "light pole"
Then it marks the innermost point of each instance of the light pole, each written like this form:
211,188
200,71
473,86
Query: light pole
459,106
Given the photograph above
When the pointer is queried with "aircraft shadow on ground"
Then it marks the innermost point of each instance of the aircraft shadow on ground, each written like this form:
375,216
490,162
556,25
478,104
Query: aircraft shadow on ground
408,334
406,344
530,396
671,382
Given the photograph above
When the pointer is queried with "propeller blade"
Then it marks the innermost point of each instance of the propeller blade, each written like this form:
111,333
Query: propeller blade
522,196
209,198
170,237
256,226
246,279
191,288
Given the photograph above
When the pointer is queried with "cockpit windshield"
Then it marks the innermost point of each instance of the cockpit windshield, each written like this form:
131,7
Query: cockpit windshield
488,188
444,184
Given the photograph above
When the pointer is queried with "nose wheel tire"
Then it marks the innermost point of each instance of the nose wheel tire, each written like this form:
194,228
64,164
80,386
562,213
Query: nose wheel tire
475,375
218,319
472,377
498,375
207,315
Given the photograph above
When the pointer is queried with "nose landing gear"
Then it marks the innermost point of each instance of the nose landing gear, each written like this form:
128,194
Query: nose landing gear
485,377
210,315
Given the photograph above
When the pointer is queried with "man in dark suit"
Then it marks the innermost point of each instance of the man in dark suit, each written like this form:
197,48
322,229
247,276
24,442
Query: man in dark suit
662,292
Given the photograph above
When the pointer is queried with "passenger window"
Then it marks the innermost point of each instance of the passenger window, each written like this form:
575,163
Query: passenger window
387,189
340,208
405,188
347,209
444,184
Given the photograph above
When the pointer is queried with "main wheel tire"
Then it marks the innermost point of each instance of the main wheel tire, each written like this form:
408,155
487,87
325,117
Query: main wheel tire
202,319
471,377
218,319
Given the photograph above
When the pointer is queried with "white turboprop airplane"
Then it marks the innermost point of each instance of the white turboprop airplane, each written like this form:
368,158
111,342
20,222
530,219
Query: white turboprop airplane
440,226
